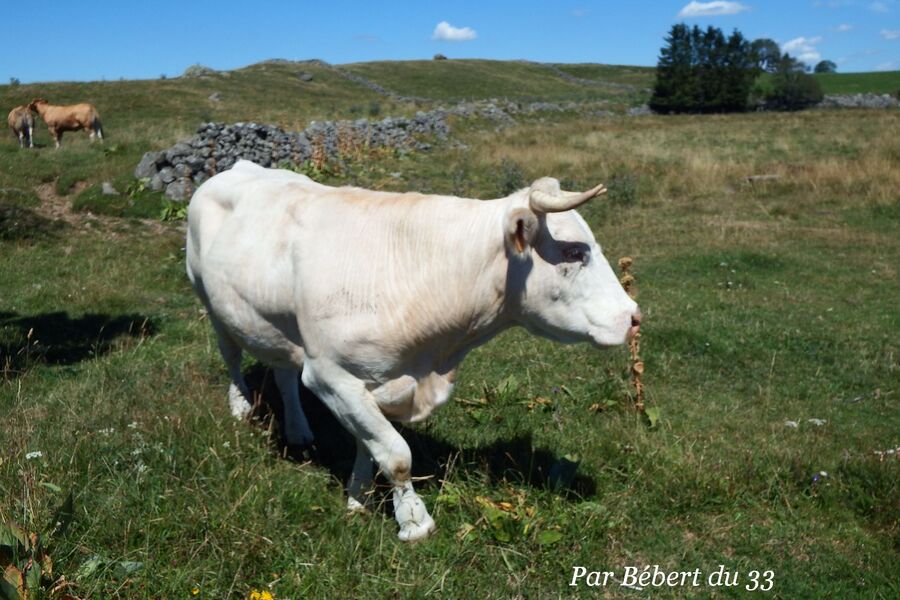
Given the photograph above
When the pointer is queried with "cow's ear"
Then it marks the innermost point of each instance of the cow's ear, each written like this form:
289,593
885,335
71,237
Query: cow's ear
521,230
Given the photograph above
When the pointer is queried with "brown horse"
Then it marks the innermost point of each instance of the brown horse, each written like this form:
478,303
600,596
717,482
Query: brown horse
68,118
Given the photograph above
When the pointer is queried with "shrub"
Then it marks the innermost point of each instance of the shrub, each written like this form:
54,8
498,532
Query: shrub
826,66
792,87
511,177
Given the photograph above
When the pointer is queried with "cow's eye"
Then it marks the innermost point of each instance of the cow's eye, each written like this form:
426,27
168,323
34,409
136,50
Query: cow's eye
575,254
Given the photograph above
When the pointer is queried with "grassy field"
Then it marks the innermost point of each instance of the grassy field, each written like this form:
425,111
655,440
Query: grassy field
882,82
479,79
764,303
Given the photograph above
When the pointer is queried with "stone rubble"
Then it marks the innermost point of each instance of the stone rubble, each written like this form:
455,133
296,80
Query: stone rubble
859,101
179,169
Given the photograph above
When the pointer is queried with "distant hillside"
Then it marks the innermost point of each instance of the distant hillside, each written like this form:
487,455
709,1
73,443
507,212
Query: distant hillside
881,82
142,115
293,93
515,80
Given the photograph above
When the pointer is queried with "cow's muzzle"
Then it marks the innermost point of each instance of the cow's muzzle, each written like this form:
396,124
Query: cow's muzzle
635,323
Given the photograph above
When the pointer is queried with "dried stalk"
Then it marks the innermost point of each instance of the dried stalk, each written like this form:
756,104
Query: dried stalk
634,346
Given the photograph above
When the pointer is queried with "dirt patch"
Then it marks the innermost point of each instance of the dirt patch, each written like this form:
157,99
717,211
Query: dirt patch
59,208
56,207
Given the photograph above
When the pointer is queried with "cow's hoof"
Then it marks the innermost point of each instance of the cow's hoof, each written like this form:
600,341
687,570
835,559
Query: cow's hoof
412,516
355,506
238,403
413,532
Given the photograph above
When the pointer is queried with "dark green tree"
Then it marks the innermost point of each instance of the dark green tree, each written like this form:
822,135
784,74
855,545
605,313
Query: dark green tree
792,87
702,71
826,66
676,86
766,54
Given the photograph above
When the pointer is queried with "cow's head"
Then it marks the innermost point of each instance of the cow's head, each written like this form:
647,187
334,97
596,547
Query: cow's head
559,280
34,103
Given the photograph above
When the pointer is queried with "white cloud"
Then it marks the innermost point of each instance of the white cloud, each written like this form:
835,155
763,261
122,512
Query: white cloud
712,9
803,49
890,34
843,27
879,7
580,12
448,33
888,66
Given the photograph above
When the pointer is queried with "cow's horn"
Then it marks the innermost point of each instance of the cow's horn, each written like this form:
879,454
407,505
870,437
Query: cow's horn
542,201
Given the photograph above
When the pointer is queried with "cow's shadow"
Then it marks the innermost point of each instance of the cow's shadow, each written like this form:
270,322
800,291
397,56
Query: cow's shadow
58,339
513,460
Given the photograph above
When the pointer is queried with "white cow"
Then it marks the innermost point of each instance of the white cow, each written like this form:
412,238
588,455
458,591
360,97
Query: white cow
377,297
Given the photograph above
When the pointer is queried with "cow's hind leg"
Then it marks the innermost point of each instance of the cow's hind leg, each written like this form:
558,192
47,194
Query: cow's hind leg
296,427
238,393
356,409
360,480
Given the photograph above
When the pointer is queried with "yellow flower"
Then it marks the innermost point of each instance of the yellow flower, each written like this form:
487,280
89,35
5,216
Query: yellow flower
263,595
195,590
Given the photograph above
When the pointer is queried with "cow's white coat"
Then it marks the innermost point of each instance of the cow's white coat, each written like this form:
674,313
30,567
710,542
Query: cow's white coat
376,298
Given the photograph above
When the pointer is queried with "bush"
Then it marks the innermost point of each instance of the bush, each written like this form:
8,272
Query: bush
511,177
826,66
792,87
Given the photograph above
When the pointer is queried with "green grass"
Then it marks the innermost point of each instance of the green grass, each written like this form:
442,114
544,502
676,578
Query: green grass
763,303
478,79
639,77
882,82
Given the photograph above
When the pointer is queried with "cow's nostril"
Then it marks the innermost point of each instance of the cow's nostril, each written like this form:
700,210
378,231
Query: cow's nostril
636,319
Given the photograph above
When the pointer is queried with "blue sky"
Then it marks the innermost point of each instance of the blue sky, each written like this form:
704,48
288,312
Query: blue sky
89,40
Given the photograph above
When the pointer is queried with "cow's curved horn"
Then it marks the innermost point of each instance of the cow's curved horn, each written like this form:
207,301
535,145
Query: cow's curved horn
542,201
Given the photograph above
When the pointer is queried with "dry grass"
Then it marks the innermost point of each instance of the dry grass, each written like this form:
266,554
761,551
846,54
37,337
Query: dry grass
687,157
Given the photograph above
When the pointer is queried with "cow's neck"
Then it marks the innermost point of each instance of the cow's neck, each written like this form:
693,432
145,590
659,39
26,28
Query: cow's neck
465,284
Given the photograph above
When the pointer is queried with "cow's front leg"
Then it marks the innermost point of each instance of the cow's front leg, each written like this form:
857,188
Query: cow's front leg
355,407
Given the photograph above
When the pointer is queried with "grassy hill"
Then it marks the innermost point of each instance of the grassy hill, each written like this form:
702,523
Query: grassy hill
153,114
881,82
769,342
479,79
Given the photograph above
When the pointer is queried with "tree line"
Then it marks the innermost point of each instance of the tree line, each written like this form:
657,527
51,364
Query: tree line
703,71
